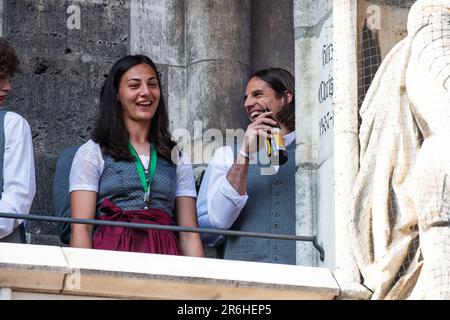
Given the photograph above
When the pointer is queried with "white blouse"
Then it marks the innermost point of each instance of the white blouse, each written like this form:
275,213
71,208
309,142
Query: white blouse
88,163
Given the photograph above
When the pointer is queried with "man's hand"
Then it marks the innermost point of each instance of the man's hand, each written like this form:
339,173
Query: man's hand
260,128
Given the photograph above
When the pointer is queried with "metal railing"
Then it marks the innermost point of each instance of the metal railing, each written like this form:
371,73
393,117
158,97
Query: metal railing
38,217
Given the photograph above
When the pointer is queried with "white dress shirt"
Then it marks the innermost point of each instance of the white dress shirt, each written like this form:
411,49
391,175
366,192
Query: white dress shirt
19,184
218,203
88,163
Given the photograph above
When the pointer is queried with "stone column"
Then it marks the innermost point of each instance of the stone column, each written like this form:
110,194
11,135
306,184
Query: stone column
218,65
1,18
272,34
314,123
346,130
157,30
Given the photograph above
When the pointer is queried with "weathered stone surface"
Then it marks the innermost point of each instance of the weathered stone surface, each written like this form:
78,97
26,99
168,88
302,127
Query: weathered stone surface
37,271
1,18
346,167
163,71
395,3
305,224
218,50
345,103
176,98
42,27
326,233
43,201
311,12
157,30
314,88
65,95
46,239
216,101
63,76
218,29
272,34
314,93
61,113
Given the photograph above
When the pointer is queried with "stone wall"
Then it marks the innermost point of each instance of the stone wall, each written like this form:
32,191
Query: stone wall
1,18
64,66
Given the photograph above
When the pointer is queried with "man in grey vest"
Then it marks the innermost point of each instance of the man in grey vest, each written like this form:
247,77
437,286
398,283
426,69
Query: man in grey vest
242,190
17,176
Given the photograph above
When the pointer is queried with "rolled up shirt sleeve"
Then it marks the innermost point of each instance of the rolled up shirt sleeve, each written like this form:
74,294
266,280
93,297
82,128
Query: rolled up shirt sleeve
219,204
19,182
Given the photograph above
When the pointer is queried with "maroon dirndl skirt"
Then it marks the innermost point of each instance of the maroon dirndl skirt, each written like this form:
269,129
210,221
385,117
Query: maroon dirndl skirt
135,240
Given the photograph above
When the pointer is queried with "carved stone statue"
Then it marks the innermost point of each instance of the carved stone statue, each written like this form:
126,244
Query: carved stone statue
400,215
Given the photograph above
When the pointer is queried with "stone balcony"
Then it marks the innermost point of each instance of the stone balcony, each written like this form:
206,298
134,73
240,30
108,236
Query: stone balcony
50,272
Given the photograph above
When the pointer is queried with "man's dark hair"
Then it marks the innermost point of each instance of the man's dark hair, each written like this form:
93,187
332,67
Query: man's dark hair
281,81
9,61
110,131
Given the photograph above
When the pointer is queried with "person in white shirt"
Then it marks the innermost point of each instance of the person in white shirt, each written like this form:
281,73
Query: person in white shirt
17,161
235,194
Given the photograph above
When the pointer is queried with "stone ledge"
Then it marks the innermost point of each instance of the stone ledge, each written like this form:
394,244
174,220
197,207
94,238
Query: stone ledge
88,273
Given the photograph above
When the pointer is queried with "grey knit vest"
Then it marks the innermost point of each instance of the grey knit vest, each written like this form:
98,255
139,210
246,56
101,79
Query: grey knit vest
120,183
270,208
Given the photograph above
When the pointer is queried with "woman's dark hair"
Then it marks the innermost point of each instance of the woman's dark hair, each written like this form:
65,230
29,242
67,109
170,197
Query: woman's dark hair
110,131
9,62
281,81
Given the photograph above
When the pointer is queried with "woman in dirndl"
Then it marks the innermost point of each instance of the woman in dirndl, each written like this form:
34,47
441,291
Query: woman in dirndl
132,171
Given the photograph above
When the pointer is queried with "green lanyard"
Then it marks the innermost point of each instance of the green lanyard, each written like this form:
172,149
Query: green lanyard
141,172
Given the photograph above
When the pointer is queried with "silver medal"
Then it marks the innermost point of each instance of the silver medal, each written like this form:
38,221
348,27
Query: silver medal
147,198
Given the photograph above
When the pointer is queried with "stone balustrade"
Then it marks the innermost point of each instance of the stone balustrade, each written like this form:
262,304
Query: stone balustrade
50,272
